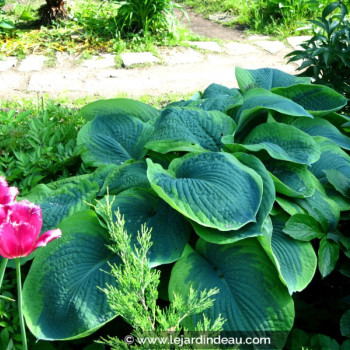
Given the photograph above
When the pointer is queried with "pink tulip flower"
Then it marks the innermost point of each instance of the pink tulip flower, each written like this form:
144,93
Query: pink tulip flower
7,194
20,226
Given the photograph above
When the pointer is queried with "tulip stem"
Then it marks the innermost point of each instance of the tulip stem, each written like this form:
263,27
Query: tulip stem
20,311
2,270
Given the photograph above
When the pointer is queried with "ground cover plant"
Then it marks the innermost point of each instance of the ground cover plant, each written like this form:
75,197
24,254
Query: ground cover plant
283,18
245,191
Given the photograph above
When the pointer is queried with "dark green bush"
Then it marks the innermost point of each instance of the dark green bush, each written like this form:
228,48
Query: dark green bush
326,56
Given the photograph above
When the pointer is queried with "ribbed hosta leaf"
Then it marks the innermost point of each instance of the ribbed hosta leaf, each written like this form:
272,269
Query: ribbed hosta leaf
61,299
318,100
114,139
113,106
58,204
283,142
252,229
291,179
295,260
185,129
259,100
170,230
212,189
322,127
221,103
290,207
126,176
268,78
251,297
333,166
321,208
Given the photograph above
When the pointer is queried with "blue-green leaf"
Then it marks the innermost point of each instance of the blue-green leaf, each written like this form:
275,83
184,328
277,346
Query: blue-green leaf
119,106
114,139
61,299
190,130
170,230
295,260
212,189
251,297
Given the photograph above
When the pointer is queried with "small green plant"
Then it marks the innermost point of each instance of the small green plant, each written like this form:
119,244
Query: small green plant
38,147
326,56
146,17
135,297
6,26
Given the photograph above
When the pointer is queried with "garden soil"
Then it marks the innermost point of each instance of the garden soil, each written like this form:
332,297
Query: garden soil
180,70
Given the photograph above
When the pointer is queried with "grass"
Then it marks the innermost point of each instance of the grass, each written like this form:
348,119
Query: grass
281,18
91,28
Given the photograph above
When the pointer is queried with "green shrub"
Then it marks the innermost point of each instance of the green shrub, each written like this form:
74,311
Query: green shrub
146,17
6,26
240,187
39,146
326,56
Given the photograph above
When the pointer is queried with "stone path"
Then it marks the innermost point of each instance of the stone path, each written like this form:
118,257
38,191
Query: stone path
174,70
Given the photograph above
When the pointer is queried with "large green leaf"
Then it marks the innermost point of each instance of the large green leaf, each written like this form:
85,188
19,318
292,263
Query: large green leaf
333,166
322,127
114,139
303,227
328,254
291,179
66,200
321,208
126,176
289,207
295,260
267,78
119,105
212,189
214,90
283,142
251,298
318,100
170,230
61,299
252,229
261,100
221,103
185,129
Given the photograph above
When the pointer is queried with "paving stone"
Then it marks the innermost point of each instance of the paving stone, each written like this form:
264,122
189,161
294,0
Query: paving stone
32,63
234,48
181,56
12,81
8,63
270,46
206,45
131,58
295,41
258,37
100,62
57,82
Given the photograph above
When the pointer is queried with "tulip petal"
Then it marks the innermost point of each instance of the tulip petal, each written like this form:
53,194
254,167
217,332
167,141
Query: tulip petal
8,241
47,237
7,194
25,211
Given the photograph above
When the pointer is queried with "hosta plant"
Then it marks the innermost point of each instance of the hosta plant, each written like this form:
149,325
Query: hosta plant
244,191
